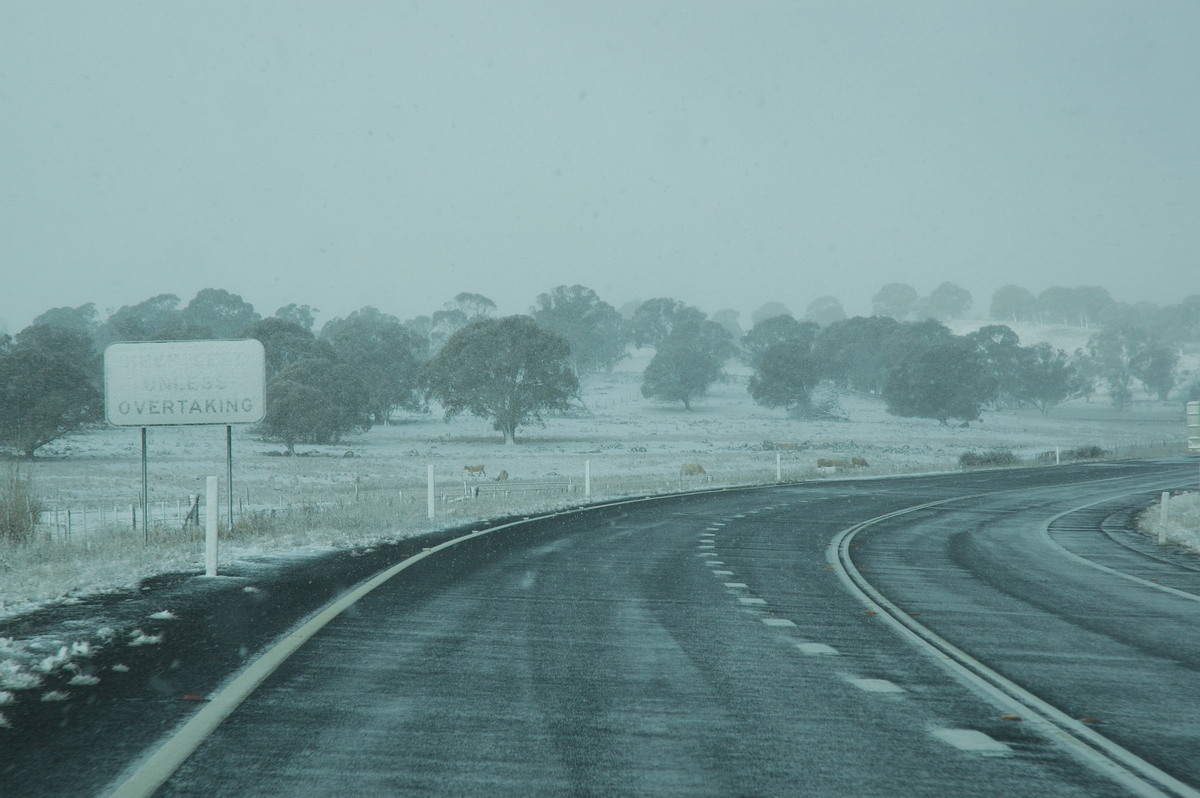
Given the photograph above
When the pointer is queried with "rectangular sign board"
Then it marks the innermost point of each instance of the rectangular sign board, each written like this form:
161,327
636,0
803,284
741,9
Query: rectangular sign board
168,383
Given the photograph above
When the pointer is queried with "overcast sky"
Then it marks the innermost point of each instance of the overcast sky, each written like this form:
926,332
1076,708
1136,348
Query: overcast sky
342,154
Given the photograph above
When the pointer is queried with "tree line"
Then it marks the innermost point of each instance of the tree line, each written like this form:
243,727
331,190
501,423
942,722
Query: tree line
361,369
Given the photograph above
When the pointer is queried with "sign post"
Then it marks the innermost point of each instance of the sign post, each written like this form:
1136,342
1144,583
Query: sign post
176,383
1193,426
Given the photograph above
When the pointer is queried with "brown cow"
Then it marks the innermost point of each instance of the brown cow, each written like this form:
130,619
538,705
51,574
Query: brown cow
859,462
475,470
502,476
833,462
691,470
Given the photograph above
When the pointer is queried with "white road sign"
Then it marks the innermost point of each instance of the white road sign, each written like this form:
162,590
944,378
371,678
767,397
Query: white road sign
166,383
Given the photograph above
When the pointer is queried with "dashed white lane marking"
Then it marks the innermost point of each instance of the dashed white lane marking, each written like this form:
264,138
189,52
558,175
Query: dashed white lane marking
972,740
706,545
816,649
876,685
736,585
714,563
751,600
722,573
777,622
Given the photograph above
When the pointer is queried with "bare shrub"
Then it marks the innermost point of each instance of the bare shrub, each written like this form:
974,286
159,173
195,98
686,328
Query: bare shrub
19,506
995,458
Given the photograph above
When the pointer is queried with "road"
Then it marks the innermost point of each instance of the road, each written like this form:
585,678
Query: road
710,645
992,633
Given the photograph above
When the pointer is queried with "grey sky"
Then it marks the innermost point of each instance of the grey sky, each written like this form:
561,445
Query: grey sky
724,153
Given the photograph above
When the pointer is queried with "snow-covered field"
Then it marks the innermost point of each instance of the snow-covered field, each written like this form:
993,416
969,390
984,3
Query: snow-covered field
372,487
630,444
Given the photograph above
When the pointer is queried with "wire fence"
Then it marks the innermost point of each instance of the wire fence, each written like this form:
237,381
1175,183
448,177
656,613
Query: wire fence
410,498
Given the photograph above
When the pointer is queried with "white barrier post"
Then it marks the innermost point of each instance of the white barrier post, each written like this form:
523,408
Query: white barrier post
1162,518
210,528
778,467
587,479
430,497
1058,455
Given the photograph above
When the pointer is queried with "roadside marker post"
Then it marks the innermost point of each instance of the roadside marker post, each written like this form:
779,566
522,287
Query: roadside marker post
429,494
210,528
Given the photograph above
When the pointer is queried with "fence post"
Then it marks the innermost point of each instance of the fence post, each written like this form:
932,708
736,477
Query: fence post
778,467
587,479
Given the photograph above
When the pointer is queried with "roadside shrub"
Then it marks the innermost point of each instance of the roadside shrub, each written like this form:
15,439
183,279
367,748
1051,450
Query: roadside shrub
994,458
1085,453
19,506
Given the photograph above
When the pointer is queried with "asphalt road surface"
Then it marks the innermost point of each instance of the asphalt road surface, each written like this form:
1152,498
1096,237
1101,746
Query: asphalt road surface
721,644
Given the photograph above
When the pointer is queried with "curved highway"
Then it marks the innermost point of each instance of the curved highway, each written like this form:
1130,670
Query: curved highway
995,633
720,644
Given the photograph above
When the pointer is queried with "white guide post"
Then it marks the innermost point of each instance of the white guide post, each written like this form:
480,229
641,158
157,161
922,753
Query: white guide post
778,467
429,493
1163,517
587,479
210,528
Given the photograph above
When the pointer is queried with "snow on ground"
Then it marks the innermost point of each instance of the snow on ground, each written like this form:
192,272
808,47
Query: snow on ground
372,487
1182,525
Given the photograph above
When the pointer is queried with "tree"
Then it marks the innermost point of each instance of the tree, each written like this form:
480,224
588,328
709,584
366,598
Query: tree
83,319
854,353
43,396
1155,366
285,344
1057,305
1012,303
1000,351
947,301
768,310
687,362
456,314
775,330
593,328
944,382
785,375
824,310
216,313
729,319
1115,349
303,315
895,300
509,371
1045,377
155,319
654,319
1091,303
314,401
383,354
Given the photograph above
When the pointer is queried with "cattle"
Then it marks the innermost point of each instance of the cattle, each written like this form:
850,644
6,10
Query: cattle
833,462
691,470
1046,457
859,462
502,476
475,471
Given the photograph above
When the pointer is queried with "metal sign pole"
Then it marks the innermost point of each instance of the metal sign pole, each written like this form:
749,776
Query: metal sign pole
145,493
229,469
